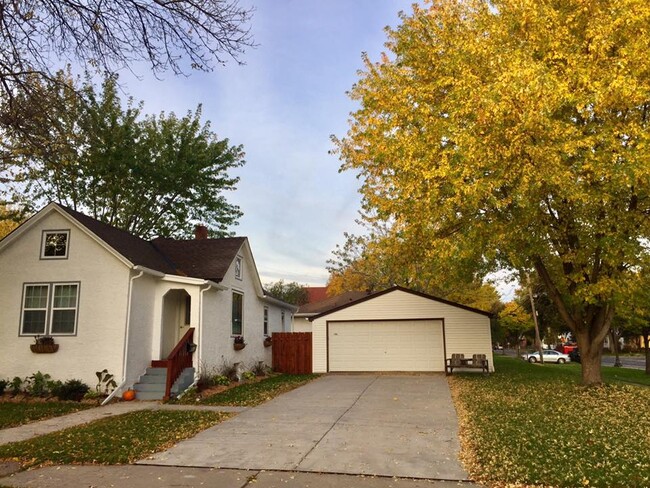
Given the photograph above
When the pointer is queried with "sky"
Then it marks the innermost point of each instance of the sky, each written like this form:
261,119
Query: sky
282,105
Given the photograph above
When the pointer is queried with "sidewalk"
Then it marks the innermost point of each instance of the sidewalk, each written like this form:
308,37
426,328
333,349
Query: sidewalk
42,427
136,476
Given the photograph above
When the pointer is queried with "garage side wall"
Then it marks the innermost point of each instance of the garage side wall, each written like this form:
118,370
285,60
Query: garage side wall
466,332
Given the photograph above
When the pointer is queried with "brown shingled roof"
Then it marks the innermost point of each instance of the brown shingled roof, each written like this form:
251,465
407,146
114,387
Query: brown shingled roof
133,248
331,302
201,258
205,258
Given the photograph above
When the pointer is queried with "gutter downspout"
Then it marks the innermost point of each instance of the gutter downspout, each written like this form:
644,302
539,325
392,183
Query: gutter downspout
125,352
199,353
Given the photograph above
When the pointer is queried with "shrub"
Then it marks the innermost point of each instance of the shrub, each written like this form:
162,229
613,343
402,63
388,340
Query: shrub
220,380
260,369
229,371
3,385
16,385
36,384
72,390
248,375
92,395
53,387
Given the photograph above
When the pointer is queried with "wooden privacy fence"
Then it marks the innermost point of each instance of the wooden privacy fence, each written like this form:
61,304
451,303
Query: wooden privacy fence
292,352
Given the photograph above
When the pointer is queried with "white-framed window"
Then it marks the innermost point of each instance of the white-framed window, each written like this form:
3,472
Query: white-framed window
49,309
282,319
266,321
238,268
54,244
237,313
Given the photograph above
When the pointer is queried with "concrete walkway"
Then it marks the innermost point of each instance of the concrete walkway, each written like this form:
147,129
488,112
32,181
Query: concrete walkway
382,425
42,427
159,477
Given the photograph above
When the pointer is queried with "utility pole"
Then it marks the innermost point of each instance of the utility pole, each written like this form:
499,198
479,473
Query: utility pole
538,340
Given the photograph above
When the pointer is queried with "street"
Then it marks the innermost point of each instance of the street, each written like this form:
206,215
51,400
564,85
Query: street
632,362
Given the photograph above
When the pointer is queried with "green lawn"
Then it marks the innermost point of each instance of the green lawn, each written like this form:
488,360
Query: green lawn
251,394
535,425
13,414
115,440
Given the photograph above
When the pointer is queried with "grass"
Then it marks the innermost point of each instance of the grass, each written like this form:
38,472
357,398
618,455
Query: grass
19,413
116,440
251,394
535,425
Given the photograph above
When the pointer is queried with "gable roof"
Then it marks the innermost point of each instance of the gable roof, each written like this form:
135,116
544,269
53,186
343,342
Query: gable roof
330,303
201,258
406,290
133,248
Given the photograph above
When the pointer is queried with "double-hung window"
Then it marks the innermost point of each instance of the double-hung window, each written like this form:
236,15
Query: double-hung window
237,313
50,309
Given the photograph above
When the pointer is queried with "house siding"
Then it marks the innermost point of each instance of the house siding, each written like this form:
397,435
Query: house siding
217,340
101,314
465,331
141,326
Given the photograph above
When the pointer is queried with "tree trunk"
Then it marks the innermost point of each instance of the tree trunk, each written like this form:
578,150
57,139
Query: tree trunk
538,339
590,325
591,355
614,338
646,340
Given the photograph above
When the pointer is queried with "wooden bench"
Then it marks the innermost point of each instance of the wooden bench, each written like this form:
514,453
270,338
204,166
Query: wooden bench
477,361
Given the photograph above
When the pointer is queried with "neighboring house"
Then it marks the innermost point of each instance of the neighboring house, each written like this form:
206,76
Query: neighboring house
397,330
301,318
316,293
114,301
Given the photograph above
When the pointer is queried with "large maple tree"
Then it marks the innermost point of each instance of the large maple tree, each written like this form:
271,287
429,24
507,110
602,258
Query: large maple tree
518,129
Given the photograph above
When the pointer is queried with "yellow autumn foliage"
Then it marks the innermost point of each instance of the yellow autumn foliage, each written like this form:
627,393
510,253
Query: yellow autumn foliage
515,132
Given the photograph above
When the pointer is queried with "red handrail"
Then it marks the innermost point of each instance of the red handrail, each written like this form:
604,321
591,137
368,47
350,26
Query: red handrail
179,359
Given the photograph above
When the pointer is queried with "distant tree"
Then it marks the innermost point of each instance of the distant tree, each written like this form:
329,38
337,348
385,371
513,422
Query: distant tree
291,292
633,317
514,320
381,260
8,221
151,175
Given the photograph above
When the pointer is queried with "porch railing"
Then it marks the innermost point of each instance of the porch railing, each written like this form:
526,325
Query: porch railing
179,359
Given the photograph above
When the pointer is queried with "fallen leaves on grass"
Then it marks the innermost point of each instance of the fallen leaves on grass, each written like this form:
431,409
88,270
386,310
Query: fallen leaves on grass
115,440
520,428
251,394
19,413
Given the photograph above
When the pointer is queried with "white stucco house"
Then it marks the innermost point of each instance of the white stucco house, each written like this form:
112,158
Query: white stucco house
397,330
114,301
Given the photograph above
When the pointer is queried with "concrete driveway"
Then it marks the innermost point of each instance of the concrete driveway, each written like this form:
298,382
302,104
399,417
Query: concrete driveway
385,425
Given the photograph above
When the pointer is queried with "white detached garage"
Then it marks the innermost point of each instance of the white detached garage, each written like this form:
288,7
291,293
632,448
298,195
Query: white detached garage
398,330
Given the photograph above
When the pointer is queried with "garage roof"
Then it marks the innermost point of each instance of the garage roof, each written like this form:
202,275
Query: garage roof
406,290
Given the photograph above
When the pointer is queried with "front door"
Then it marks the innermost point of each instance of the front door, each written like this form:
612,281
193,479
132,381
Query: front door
177,306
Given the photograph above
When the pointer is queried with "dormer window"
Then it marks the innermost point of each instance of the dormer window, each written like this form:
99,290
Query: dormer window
55,244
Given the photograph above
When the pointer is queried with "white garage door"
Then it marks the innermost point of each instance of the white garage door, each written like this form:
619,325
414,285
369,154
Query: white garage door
413,345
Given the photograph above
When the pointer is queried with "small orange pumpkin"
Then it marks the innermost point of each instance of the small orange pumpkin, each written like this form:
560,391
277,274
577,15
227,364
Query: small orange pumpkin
128,395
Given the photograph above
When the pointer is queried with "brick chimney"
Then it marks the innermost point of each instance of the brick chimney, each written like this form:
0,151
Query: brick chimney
200,232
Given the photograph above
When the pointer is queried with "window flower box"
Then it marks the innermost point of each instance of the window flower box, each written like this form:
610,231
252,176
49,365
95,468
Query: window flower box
268,342
238,343
44,345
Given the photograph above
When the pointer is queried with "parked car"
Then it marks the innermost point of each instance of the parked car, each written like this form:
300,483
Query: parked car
566,348
575,355
550,356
